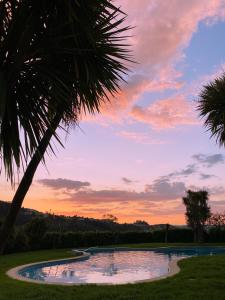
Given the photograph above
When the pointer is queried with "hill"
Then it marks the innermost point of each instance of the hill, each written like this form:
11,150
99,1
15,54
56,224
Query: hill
25,214
75,223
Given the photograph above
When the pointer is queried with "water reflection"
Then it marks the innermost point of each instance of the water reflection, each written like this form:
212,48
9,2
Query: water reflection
113,266
109,267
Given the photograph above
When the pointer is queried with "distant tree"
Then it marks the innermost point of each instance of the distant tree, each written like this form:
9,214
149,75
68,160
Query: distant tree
217,220
142,224
110,218
216,228
197,212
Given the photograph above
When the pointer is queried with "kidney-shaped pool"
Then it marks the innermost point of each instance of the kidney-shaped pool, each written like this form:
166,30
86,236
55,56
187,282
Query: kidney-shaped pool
113,266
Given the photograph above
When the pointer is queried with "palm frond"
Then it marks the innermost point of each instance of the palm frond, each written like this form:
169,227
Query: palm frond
211,107
57,57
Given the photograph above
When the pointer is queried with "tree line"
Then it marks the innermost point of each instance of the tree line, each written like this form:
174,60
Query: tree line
37,230
36,235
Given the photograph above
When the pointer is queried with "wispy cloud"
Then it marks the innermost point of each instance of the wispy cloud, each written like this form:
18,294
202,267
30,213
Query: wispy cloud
188,170
209,160
139,137
62,183
200,161
158,190
127,180
206,176
161,197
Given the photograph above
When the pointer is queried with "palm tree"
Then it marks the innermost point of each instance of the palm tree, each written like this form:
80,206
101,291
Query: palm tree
211,106
197,212
58,58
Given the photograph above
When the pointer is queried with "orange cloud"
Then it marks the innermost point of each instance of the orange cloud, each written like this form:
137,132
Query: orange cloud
130,93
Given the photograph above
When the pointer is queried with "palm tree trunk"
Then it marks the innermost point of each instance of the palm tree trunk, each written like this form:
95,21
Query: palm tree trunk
200,234
25,184
166,233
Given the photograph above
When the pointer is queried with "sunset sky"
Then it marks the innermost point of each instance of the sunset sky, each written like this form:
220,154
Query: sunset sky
148,146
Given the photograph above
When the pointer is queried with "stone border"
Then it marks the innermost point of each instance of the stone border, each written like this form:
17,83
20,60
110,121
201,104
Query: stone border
14,272
173,269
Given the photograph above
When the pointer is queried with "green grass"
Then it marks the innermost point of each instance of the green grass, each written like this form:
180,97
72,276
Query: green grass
200,278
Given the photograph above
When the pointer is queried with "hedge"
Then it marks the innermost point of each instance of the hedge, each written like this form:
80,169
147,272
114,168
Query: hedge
52,240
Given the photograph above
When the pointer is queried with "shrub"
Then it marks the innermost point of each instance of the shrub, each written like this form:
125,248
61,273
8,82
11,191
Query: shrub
21,241
51,240
215,235
35,231
184,235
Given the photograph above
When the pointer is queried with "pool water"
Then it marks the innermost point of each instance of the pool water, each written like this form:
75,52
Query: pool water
113,266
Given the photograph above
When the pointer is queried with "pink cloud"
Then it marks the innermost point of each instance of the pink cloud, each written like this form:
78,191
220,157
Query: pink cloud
166,113
159,38
130,93
161,33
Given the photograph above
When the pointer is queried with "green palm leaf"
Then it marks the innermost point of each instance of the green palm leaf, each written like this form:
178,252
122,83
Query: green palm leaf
211,105
57,58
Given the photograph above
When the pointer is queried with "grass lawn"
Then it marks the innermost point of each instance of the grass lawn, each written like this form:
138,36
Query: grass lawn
200,278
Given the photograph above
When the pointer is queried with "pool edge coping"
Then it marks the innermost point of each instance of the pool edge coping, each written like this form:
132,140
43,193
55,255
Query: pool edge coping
14,272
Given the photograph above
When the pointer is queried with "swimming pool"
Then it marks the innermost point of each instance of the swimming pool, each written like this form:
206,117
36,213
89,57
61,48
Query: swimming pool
113,266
